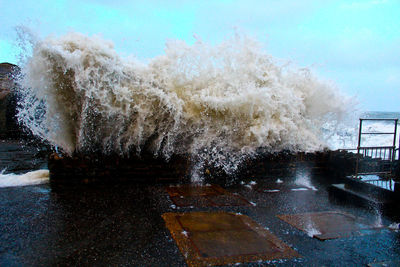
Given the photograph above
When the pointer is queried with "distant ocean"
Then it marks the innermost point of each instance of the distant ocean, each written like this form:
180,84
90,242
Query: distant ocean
348,138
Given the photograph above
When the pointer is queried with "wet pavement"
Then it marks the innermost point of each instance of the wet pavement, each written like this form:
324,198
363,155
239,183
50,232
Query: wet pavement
123,224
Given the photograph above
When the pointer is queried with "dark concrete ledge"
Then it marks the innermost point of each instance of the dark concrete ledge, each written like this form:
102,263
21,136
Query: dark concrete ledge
95,168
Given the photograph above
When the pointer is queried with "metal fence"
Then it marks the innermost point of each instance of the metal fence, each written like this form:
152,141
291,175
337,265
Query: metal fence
386,184
376,159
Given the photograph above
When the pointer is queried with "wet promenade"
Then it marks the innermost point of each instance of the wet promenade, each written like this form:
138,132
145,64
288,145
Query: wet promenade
281,220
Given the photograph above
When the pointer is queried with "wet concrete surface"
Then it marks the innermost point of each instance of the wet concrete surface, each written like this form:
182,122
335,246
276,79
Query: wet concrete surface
204,196
122,224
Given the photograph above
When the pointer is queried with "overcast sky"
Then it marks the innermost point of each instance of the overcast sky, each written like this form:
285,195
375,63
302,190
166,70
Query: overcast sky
356,43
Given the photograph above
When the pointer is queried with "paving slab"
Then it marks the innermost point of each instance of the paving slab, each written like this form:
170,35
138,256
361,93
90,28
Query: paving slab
219,238
329,224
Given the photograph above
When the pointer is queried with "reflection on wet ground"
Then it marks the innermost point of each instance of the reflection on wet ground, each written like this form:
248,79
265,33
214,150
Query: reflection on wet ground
204,196
123,224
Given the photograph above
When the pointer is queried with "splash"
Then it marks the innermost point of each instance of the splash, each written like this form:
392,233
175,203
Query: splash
29,178
394,226
218,104
303,178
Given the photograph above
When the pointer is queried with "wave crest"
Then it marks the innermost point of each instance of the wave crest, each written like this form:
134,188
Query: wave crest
217,103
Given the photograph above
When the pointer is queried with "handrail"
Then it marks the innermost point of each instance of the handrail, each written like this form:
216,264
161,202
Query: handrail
377,133
374,147
394,119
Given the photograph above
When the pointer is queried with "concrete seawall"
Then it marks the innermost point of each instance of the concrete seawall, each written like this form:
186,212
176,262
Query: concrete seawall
93,168
86,168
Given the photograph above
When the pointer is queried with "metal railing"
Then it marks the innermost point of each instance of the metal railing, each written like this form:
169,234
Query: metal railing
377,159
382,152
386,184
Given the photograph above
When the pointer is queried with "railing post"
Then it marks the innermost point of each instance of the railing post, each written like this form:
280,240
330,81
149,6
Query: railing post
394,140
393,150
358,149
396,175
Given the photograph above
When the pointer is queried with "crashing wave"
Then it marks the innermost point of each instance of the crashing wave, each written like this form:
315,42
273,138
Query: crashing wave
218,104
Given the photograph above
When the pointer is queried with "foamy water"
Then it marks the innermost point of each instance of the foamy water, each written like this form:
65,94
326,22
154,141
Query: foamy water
218,104
29,178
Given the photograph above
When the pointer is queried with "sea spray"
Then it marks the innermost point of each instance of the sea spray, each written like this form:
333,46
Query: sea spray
217,104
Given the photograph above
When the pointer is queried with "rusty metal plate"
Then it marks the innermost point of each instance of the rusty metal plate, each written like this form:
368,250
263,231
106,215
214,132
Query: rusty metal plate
204,196
329,224
220,238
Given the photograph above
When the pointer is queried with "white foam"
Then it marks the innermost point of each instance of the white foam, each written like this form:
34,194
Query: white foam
271,190
299,189
310,228
185,233
303,179
312,231
219,104
378,219
394,226
248,186
29,178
